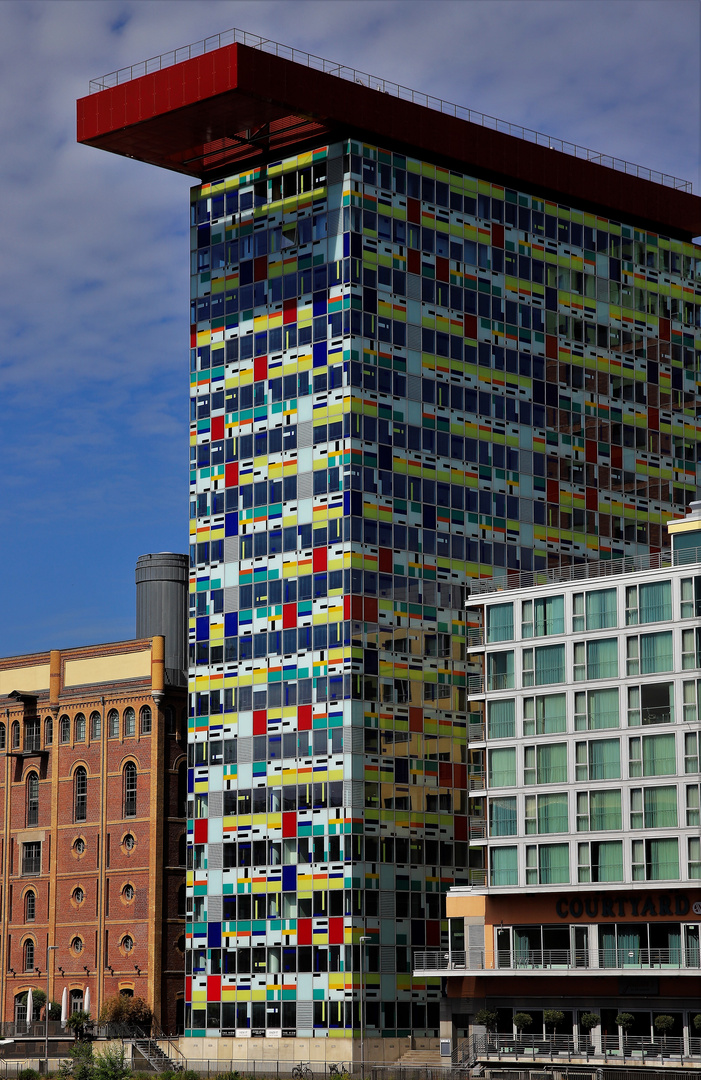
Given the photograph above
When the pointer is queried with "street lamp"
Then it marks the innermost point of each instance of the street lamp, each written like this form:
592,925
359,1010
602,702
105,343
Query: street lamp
49,948
363,941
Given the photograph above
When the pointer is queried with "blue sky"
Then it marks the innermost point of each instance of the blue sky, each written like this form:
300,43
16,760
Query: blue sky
93,251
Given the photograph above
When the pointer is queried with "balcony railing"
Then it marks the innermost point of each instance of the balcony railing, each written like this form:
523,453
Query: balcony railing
385,86
475,636
587,571
613,960
616,1048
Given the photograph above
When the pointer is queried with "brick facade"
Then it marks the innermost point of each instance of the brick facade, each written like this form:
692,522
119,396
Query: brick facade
92,804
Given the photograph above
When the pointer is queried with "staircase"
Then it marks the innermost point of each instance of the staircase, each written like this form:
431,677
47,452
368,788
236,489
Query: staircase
421,1059
156,1057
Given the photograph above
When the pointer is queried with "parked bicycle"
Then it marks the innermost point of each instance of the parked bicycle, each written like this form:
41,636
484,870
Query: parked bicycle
302,1071
339,1071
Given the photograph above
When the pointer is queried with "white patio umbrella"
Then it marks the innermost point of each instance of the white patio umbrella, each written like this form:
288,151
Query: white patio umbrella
30,1006
64,1006
86,1000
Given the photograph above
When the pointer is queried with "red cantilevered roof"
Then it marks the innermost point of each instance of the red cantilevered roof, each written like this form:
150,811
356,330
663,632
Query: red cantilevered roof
237,107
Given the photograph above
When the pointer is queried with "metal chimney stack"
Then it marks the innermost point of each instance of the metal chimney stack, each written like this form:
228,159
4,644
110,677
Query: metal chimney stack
161,608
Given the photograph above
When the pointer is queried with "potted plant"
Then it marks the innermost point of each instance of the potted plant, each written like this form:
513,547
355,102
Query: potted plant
625,1021
487,1018
552,1018
522,1021
587,1022
664,1023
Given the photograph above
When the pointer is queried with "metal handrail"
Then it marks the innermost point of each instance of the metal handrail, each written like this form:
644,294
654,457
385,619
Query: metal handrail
586,571
385,86
480,959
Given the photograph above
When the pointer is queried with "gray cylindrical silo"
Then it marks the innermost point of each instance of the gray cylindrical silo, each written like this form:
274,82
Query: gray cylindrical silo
161,607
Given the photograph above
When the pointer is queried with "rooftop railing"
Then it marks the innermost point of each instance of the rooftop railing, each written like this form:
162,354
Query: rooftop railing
385,86
586,571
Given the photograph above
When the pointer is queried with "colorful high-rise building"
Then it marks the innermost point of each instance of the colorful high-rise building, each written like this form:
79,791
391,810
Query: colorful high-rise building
425,347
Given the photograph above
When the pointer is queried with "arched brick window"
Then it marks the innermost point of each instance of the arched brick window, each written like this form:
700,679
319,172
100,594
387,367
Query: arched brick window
80,794
130,789
32,799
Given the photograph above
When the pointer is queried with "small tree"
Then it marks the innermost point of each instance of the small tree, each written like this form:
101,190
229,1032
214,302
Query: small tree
625,1021
522,1020
588,1020
553,1018
54,1011
488,1018
80,1065
124,1009
77,1022
697,1022
664,1024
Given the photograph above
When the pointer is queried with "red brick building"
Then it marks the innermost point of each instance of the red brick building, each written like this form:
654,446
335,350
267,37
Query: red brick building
93,781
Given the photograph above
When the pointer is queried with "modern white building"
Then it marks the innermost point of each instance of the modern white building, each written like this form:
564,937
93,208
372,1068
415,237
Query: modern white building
586,697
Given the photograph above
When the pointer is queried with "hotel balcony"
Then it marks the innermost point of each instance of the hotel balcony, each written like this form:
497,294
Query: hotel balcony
477,961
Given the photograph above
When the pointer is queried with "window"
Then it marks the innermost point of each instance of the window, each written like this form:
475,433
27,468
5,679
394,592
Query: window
80,794
2,737
130,789
655,757
546,715
500,671
127,943
500,623
694,863
595,710
169,716
15,735
651,703
80,726
545,764
690,597
503,863
598,811
79,846
693,803
600,860
30,906
32,799
31,857
32,736
648,603
501,719
543,617
502,767
128,893
78,895
596,659
649,654
600,608
65,729
48,731
655,860
544,665
546,813
653,808
129,723
502,817
77,945
113,724
691,752
129,843
29,955
95,725
547,864
145,719
599,759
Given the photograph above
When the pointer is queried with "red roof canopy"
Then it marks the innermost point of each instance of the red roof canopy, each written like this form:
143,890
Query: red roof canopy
237,107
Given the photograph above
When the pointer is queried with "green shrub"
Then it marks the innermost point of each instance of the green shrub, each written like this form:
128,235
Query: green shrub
488,1018
111,1064
697,1022
522,1020
625,1021
553,1017
27,1074
588,1020
664,1023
